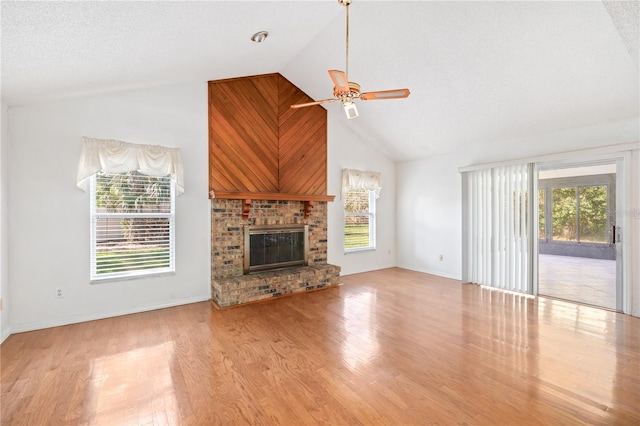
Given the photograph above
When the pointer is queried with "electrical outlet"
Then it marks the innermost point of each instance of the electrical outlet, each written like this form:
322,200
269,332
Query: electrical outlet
440,258
59,293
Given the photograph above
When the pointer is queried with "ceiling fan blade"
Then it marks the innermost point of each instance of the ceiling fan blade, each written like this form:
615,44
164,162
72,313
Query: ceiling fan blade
339,79
324,101
385,94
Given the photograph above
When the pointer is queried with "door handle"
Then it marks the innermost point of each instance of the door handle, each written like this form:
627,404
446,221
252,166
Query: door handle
613,234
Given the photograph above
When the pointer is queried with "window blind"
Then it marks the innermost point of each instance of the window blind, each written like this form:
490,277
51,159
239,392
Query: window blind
132,225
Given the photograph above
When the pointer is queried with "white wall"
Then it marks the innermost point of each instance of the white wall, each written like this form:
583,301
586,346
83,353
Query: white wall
429,215
49,234
429,196
4,226
348,150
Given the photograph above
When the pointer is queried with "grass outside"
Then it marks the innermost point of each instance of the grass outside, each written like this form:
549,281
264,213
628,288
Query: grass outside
356,236
113,261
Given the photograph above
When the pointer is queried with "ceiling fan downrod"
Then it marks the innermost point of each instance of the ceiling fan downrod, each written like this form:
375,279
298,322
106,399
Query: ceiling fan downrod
346,4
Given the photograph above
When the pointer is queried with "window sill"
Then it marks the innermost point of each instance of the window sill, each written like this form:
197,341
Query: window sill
128,277
359,250
581,243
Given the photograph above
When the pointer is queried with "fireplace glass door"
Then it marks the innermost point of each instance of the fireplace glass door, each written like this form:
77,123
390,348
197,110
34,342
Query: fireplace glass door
277,246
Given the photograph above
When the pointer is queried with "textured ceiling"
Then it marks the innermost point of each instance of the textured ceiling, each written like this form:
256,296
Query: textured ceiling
479,72
59,49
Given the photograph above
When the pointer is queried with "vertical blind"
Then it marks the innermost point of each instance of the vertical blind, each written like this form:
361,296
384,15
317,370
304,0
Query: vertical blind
498,227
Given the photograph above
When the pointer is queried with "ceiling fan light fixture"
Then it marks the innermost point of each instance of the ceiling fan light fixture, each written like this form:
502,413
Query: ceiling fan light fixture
350,109
260,36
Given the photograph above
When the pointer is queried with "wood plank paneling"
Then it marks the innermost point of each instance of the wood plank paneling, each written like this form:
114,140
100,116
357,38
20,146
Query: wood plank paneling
302,144
243,134
258,144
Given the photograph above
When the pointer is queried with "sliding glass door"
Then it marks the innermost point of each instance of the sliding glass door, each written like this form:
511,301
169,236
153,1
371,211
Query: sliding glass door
577,250
555,229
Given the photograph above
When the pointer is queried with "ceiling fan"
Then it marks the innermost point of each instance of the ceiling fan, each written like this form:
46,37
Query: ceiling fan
347,91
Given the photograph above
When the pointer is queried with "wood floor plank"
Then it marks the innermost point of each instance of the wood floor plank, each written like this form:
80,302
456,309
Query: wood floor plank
387,347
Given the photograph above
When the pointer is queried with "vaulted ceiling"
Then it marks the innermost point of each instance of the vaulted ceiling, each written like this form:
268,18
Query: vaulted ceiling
479,72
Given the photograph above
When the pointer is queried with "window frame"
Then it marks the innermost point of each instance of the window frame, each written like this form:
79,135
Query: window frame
371,214
94,215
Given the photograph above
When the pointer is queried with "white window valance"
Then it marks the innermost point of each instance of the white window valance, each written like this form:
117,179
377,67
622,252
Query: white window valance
112,156
358,179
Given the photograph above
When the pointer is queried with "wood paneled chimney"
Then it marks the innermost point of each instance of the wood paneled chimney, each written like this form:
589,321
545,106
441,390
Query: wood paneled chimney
260,148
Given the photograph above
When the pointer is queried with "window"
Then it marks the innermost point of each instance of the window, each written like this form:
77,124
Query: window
592,222
580,214
576,213
359,219
132,225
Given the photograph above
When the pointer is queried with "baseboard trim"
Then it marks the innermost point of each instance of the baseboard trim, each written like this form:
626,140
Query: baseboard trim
377,268
4,334
21,328
428,271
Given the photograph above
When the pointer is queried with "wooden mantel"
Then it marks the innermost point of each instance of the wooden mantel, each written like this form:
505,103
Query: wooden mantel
247,197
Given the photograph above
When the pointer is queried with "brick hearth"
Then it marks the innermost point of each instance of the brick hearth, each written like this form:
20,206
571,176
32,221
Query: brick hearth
228,284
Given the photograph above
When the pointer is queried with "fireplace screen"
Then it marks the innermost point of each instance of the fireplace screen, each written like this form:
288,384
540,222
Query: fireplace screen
275,246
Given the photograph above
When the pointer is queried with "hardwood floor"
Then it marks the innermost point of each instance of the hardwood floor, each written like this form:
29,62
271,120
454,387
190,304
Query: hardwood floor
387,347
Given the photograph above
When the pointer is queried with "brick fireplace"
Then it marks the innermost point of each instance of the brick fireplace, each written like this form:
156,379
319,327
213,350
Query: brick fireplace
231,286
267,166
